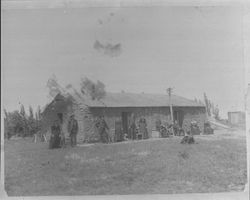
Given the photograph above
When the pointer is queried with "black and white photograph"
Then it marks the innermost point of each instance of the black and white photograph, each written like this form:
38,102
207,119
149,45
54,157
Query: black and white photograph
124,98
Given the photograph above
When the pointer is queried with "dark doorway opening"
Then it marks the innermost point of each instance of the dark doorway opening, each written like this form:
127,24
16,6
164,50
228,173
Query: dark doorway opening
60,116
125,122
179,117
118,131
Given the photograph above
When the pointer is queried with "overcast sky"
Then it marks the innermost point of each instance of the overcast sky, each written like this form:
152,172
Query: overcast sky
193,49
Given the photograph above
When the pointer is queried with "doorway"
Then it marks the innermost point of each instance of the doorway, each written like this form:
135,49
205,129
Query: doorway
179,117
125,122
60,117
118,131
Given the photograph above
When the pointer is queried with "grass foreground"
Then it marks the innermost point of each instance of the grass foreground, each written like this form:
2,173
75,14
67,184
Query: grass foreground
216,163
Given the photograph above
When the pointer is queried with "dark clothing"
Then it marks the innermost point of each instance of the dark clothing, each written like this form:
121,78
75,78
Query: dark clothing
158,124
181,132
178,131
143,128
62,141
55,137
195,130
176,128
73,130
187,140
208,129
102,127
164,132
73,139
104,137
73,126
133,131
118,131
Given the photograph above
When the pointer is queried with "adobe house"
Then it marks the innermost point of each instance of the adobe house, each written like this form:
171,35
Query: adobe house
118,108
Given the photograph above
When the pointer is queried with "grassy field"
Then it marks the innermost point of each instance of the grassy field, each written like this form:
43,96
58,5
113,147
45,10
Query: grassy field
214,164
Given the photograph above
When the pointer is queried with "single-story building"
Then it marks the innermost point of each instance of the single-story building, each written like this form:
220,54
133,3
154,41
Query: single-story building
236,117
118,108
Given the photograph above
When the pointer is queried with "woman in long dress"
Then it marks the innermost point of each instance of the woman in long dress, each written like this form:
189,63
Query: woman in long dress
55,136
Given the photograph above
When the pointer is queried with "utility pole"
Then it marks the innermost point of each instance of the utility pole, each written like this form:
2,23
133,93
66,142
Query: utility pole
169,91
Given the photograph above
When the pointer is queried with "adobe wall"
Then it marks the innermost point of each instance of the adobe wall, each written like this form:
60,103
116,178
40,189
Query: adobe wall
190,114
86,117
51,115
115,114
86,122
151,115
67,109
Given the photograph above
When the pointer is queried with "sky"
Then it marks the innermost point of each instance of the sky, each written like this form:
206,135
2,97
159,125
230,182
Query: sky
135,49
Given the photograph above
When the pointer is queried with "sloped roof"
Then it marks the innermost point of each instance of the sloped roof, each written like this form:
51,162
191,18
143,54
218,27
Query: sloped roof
125,99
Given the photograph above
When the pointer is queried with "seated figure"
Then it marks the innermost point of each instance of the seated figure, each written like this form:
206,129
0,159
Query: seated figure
188,139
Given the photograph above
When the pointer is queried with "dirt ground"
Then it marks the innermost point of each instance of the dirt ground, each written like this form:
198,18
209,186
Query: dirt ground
216,163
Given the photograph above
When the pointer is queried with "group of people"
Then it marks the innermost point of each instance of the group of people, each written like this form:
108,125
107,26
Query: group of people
57,138
134,131
169,129
175,129
140,131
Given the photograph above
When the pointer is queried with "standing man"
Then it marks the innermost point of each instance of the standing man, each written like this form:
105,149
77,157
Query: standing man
133,130
146,130
132,127
73,130
143,128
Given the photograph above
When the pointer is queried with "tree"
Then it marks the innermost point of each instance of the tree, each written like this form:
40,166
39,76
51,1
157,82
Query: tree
207,104
13,124
22,111
31,122
39,113
92,89
38,119
7,130
100,90
216,112
31,115
18,123
6,114
25,127
36,116
210,108
54,87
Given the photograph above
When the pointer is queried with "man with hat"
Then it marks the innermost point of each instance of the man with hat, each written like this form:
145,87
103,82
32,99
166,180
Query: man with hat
73,130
